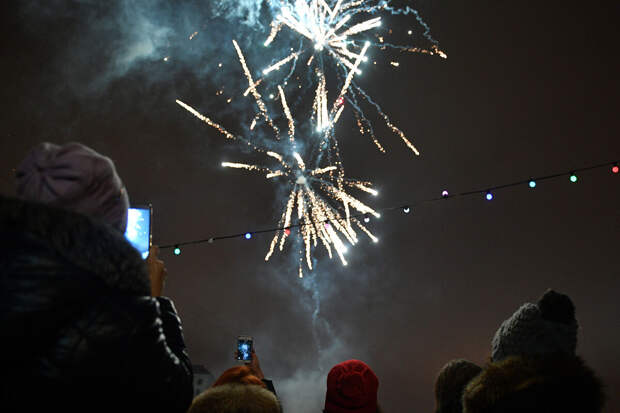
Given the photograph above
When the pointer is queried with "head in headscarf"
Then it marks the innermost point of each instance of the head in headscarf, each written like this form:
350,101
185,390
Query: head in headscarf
74,177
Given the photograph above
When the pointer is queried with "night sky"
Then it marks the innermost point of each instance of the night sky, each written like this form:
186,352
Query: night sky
527,90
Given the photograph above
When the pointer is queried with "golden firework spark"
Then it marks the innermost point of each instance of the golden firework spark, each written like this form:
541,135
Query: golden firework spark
336,29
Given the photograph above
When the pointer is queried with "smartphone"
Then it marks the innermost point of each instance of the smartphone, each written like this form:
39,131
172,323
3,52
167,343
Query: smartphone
138,232
245,346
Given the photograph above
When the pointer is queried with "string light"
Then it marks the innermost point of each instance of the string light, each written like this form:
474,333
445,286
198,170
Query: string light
532,182
366,219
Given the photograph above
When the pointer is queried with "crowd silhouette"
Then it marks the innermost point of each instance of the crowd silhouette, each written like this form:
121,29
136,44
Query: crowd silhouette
85,321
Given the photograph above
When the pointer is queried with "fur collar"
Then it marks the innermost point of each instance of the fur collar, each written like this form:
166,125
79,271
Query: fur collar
550,384
84,243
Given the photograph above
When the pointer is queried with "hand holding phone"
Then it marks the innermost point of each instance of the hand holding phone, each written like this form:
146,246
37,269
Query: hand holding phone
255,366
157,271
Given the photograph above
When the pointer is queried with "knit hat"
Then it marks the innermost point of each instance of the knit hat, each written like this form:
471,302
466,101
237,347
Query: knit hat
549,326
450,384
351,387
74,177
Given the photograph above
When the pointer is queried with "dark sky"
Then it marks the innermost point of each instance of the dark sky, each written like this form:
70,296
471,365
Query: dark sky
527,90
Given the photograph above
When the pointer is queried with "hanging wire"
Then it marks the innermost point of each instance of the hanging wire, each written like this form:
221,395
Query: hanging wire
406,207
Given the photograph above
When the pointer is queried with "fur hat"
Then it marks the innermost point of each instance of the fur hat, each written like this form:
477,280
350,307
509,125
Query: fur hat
351,388
235,398
451,382
546,327
74,177
549,384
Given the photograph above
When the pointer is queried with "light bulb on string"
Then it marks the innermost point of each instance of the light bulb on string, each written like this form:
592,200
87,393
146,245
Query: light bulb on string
177,250
489,196
573,177
532,183
406,209
615,169
366,219
248,235
444,193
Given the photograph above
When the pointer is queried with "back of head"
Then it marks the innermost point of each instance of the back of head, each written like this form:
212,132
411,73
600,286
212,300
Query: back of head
238,375
351,388
450,384
74,177
235,398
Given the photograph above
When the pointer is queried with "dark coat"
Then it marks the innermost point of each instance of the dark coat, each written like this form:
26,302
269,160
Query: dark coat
79,327
549,384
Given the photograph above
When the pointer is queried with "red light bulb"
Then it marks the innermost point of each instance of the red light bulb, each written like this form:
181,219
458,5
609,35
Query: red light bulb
615,169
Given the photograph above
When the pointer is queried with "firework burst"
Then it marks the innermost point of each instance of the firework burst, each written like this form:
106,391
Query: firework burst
318,204
340,31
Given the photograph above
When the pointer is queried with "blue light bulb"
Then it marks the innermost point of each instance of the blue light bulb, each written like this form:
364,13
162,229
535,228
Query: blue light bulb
248,235
489,196
532,184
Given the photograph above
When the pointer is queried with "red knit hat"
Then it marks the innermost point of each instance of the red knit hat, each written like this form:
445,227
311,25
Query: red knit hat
351,387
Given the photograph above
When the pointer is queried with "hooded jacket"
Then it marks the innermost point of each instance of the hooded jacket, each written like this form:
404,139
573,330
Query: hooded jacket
79,329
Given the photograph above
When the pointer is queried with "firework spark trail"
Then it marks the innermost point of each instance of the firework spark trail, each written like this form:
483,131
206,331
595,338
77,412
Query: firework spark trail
248,167
323,170
281,63
349,78
388,122
275,28
257,97
362,186
409,10
252,87
363,122
206,120
434,50
287,113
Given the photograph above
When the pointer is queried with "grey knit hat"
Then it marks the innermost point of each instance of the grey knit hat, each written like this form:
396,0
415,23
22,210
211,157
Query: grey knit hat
549,326
74,177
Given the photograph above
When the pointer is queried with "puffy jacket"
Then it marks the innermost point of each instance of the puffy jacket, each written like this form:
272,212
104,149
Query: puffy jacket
79,329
